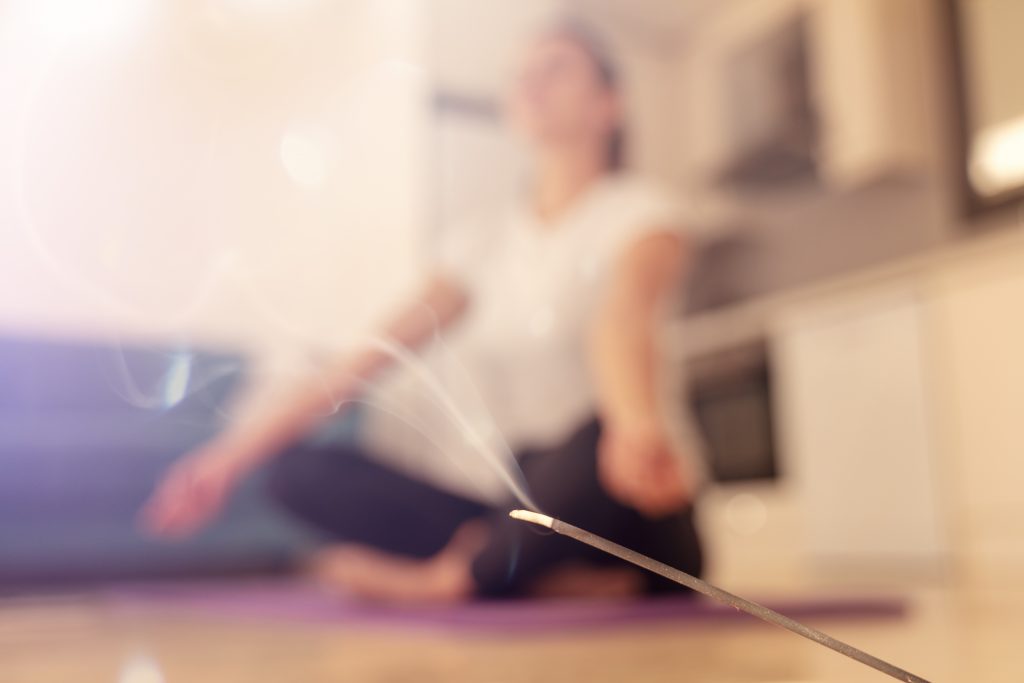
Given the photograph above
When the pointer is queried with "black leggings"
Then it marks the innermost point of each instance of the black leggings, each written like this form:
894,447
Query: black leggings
356,500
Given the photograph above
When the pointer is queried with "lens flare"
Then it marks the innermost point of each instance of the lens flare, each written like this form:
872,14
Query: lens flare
176,379
140,668
179,380
304,154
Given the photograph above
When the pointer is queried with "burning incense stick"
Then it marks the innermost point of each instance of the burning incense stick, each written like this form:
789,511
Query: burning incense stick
705,588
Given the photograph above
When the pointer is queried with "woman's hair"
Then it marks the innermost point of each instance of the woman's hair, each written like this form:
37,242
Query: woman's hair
600,55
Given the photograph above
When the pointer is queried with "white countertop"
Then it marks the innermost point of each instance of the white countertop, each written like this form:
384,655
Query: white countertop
750,321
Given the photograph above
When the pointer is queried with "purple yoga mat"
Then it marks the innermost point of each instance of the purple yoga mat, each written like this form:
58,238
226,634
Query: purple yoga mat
296,602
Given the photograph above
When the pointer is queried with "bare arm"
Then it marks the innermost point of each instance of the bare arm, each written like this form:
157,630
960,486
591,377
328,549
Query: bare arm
624,344
636,461
195,488
439,304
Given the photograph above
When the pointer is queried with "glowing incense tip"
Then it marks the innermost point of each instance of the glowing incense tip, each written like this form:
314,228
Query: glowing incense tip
532,518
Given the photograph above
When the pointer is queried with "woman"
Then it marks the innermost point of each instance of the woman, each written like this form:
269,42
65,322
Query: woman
553,312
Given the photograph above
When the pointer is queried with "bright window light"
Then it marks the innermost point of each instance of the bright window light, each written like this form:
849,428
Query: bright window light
62,20
264,5
304,154
140,669
997,159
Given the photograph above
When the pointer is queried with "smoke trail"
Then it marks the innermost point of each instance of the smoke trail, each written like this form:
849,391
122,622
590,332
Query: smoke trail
495,451
498,455
179,380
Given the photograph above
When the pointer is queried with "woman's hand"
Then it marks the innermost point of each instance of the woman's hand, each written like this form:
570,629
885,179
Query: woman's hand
638,467
194,490
636,462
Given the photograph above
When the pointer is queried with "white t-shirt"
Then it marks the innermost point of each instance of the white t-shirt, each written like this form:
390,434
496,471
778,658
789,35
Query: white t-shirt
515,368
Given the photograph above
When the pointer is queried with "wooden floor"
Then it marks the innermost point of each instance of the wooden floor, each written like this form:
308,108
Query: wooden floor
949,636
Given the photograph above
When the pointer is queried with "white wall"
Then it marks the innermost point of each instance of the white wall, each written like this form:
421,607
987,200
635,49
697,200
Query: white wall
473,51
476,45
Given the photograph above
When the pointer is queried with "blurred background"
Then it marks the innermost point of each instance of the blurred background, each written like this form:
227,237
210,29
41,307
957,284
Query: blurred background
195,197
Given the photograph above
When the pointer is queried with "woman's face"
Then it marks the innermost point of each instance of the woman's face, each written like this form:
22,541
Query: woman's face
558,96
